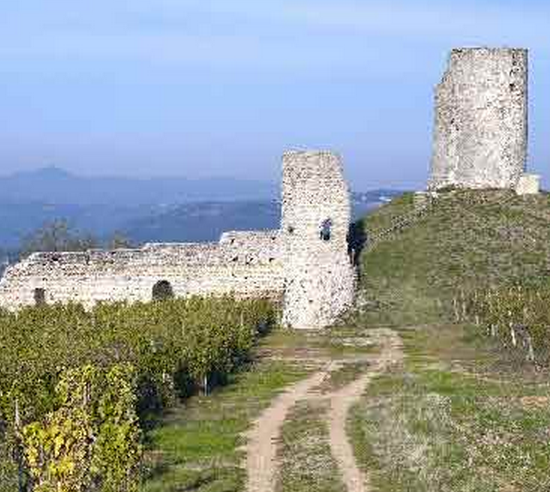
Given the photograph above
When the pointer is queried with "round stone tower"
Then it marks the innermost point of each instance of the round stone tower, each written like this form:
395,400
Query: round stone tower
316,209
480,135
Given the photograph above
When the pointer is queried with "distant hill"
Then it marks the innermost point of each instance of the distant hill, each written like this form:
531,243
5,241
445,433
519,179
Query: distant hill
18,220
200,222
159,209
206,221
55,186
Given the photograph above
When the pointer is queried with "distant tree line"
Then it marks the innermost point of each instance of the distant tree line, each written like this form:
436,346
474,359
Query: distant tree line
58,235
7,256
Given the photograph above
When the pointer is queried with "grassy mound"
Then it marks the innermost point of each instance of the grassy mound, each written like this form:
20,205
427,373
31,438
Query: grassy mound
466,239
463,412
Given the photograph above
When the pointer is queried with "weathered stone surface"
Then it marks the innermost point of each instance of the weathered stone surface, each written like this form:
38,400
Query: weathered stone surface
313,277
528,184
320,280
191,269
480,135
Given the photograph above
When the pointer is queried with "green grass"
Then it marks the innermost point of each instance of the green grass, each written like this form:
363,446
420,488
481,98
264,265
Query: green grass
346,339
450,419
459,414
466,239
306,461
343,376
196,447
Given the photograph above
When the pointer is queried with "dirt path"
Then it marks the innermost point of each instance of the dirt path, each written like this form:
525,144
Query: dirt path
341,402
262,439
261,448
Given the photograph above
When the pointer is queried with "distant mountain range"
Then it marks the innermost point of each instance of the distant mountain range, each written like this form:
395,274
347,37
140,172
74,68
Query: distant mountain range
144,210
205,221
53,185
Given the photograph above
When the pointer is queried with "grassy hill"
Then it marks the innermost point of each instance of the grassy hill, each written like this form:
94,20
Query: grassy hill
464,240
462,412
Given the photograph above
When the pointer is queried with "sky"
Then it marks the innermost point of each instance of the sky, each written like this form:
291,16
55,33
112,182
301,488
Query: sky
223,87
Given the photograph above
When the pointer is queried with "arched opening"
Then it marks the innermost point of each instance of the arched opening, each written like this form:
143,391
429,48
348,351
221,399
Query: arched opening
162,290
39,297
326,230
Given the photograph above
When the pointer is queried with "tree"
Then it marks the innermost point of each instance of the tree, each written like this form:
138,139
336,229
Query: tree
57,236
4,261
119,241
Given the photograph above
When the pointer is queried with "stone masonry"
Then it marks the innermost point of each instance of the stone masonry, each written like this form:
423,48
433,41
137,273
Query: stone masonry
528,184
319,279
305,264
480,135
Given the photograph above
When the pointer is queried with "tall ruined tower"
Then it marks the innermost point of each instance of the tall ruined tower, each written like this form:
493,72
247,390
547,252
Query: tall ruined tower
319,277
480,135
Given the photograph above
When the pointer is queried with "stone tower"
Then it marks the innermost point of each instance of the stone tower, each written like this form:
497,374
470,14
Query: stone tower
480,135
319,277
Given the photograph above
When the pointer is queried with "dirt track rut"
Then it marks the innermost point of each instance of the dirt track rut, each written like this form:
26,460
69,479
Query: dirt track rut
263,438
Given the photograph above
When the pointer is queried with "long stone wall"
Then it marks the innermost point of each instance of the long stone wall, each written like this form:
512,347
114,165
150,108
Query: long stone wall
311,275
480,135
251,270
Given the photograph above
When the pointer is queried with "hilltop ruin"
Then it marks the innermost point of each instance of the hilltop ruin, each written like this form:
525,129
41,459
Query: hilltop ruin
305,264
480,134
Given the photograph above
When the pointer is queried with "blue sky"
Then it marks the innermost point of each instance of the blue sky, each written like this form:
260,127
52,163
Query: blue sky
223,87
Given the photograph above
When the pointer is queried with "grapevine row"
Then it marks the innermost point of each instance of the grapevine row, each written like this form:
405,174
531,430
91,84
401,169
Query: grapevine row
517,316
77,386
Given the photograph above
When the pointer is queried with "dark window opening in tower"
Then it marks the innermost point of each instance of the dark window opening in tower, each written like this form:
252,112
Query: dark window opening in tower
39,297
326,230
162,290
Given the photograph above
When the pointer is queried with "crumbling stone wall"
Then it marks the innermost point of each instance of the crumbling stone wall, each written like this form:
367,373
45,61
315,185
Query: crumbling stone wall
278,264
480,135
320,279
254,269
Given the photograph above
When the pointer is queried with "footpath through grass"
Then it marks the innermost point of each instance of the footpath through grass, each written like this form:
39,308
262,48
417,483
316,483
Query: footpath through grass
449,419
197,446
306,461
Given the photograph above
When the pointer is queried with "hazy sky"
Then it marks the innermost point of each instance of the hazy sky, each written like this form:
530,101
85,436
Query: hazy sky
223,87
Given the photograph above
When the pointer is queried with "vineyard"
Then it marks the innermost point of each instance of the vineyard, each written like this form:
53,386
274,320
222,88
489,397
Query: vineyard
78,388
518,317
